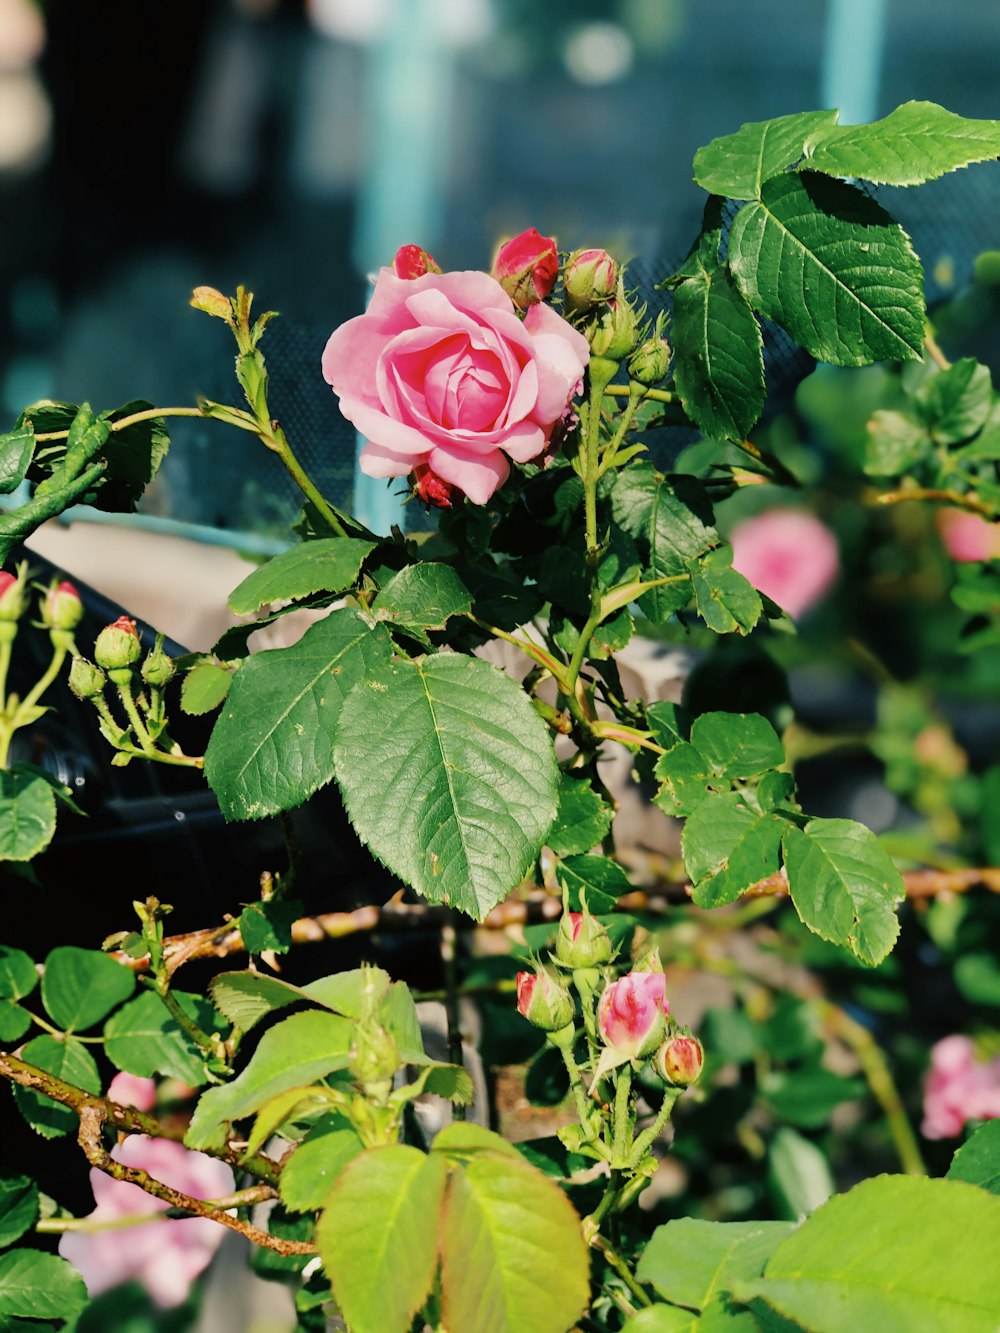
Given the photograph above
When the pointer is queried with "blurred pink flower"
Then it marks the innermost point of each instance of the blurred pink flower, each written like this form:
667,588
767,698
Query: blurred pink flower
131,1090
165,1257
959,1088
967,536
788,555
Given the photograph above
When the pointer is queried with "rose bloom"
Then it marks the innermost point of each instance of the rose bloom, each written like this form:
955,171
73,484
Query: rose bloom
631,1013
165,1257
440,371
967,536
788,555
959,1088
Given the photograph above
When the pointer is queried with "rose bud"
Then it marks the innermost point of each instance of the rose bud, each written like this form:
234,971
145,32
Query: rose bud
527,267
60,607
632,1014
86,680
12,600
542,1000
680,1060
589,278
412,262
432,489
614,331
158,668
118,649
212,303
582,941
650,361
649,961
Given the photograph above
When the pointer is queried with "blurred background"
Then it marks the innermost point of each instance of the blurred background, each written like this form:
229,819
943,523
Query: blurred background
293,145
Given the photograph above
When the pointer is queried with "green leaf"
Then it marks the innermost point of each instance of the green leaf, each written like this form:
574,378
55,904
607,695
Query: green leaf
602,880
798,1174
14,1021
452,1082
294,1052
18,1207
247,997
27,814
36,1285
464,790
894,443
833,268
737,165
18,976
205,686
144,1038
977,976
531,1267
737,745
81,986
726,600
461,1141
896,1252
672,522
268,925
308,1176
806,1096
955,403
378,1236
423,596
689,1261
917,142
330,564
718,365
844,886
133,457
16,450
582,817
68,1060
728,847
272,746
977,1162
662,1319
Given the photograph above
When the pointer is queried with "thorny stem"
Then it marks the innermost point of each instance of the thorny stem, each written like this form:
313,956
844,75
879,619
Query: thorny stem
90,1226
543,658
636,394
277,441
149,414
956,498
615,1261
622,1116
138,726
203,1040
124,1118
92,1121
648,1137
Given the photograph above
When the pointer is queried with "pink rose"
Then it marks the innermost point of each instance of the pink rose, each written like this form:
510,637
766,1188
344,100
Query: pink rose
165,1257
527,267
967,536
631,1014
788,555
958,1089
131,1090
440,371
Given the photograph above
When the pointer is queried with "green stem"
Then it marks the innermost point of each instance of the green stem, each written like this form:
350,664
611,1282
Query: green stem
539,655
5,652
626,390
580,651
619,1265
449,943
138,726
278,442
622,1115
648,1137
583,1105
43,683
149,414
198,1035
51,1028
635,397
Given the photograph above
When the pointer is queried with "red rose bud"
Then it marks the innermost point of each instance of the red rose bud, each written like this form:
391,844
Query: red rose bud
12,600
680,1060
527,267
432,489
412,262
589,278
543,1001
582,941
632,1014
61,607
118,647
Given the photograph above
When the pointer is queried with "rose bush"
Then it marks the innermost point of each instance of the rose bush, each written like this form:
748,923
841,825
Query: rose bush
440,371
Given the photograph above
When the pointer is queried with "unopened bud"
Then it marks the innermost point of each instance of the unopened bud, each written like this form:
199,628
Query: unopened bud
61,607
582,941
614,330
589,278
527,267
411,261
118,648
650,362
542,1000
375,1057
649,961
158,668
12,595
632,1014
85,679
680,1060
432,489
212,303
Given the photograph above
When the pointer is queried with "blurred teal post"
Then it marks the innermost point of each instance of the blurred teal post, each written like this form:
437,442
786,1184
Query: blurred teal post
852,58
407,116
